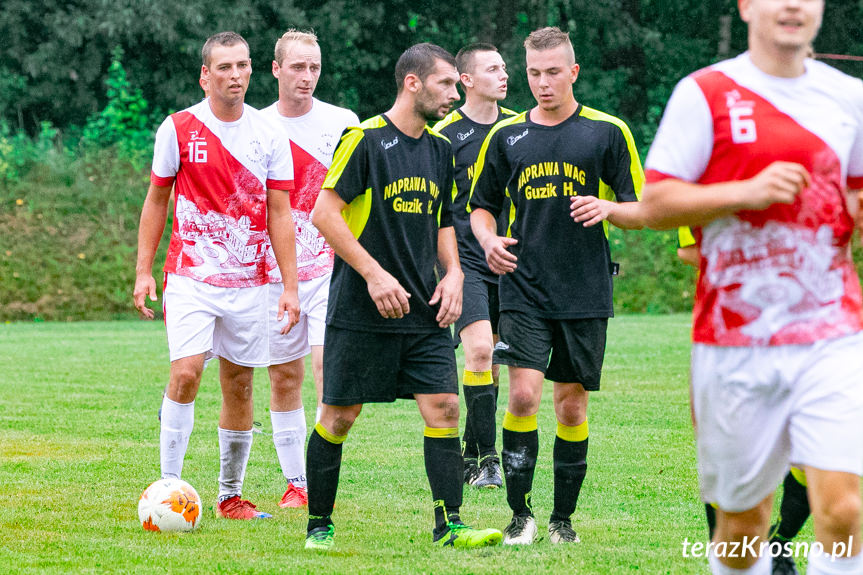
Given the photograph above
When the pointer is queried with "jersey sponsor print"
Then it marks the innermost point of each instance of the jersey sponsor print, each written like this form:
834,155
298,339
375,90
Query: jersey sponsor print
782,275
221,172
399,194
564,269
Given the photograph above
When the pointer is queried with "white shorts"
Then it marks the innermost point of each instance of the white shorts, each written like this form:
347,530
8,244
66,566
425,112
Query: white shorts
216,321
758,410
314,295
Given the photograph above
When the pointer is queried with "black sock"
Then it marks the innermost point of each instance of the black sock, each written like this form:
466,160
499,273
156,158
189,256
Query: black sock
323,463
793,511
518,458
570,467
468,443
480,401
444,468
710,513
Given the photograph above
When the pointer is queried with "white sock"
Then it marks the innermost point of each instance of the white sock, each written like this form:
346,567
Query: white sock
234,448
178,419
318,414
824,564
761,567
289,437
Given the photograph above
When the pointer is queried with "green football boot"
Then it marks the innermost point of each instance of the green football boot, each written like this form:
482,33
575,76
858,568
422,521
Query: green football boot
320,538
460,536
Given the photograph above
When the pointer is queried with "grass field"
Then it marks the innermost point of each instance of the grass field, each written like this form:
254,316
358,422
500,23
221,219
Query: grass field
79,442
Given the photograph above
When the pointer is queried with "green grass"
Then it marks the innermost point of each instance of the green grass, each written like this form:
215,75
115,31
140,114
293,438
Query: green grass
79,442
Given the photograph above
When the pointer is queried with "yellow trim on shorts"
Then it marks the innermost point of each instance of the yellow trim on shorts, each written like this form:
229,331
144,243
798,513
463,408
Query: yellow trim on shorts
330,437
440,432
799,475
518,423
477,377
572,433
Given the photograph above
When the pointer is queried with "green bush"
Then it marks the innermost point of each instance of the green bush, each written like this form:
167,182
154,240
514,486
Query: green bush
69,212
652,279
123,125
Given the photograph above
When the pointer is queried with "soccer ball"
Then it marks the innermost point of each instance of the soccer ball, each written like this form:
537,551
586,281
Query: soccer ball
169,505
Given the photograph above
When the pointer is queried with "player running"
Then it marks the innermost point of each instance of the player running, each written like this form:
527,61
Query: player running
314,128
794,505
558,161
482,73
762,154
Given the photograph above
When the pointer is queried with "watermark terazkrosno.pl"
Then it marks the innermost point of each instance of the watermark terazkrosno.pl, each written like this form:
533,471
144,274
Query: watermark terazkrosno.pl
758,547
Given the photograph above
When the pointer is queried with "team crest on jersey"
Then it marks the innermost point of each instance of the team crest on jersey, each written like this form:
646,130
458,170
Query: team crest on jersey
513,139
387,145
256,152
326,146
462,136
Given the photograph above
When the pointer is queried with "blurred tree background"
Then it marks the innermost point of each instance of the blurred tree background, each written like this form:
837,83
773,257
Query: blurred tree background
84,84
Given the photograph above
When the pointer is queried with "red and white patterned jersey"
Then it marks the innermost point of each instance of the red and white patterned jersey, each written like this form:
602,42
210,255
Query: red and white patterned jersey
782,275
221,172
314,137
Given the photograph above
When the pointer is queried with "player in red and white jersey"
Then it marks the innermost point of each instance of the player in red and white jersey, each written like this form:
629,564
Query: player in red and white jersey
763,156
231,174
314,128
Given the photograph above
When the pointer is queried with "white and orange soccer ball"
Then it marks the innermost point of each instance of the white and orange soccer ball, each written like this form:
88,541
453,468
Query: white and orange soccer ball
169,505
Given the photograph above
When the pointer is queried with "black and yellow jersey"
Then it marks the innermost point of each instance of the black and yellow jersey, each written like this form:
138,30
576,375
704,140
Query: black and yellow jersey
467,137
564,268
685,237
399,193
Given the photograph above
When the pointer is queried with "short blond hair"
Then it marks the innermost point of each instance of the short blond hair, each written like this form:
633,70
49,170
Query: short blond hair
548,38
291,36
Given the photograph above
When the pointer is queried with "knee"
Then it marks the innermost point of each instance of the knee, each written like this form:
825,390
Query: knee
286,378
736,526
449,411
522,402
185,376
841,512
479,353
238,388
736,529
339,421
239,392
571,412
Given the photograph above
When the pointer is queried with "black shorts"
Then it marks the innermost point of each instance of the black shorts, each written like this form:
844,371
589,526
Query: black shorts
372,367
577,347
479,302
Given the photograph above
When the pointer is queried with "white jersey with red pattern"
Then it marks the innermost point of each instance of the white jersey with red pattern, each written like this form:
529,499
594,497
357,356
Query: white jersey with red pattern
314,137
221,172
783,275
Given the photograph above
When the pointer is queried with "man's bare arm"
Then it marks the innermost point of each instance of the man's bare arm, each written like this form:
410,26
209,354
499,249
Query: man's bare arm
497,255
280,227
154,214
672,203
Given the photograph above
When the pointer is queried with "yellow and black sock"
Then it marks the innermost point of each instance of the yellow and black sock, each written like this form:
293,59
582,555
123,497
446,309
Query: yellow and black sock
794,509
323,463
518,456
444,467
710,513
480,400
570,467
